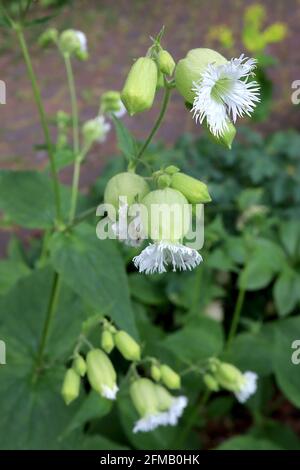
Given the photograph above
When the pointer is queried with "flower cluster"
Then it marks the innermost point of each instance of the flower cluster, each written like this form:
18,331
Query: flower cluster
151,399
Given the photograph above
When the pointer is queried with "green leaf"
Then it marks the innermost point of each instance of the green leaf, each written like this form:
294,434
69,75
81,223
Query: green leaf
93,407
277,433
33,413
98,442
199,340
10,272
94,269
287,291
145,290
248,443
290,236
27,198
126,141
287,373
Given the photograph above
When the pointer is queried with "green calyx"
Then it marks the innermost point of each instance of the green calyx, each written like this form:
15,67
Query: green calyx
125,185
189,70
194,190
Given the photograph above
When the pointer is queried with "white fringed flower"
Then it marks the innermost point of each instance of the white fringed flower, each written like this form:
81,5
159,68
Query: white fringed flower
169,417
110,393
128,230
224,92
156,256
248,387
82,39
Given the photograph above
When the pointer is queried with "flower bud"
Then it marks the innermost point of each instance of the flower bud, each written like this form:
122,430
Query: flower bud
48,37
189,70
171,169
126,185
101,374
71,386
194,190
211,382
155,373
73,42
95,130
163,181
144,398
79,365
140,86
229,377
226,138
169,377
166,62
165,215
107,341
111,103
127,346
160,80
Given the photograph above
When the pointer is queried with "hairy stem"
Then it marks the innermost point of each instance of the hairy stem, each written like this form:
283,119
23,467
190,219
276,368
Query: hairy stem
74,107
42,114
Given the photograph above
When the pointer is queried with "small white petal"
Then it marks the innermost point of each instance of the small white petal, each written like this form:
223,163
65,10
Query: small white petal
110,393
121,112
156,256
176,410
128,231
104,128
248,388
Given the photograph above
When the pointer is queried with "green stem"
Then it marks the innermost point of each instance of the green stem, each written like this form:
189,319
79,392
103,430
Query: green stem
75,186
157,123
74,107
236,317
46,330
42,114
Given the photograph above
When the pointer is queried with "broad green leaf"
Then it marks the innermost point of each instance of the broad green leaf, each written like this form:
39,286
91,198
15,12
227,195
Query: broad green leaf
278,433
97,442
94,269
145,290
290,236
248,443
27,198
287,291
200,339
33,413
126,141
10,272
92,407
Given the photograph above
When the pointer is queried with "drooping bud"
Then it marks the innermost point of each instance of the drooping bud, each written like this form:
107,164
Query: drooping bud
226,138
79,365
140,86
48,37
127,346
144,398
165,214
111,103
194,190
101,374
171,170
128,185
74,42
169,377
95,130
163,181
211,382
229,377
189,70
71,386
166,62
107,341
155,373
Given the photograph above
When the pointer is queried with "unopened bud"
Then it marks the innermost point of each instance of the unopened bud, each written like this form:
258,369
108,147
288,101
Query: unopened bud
95,130
107,341
101,374
79,365
229,377
211,382
163,181
166,62
155,372
48,37
140,86
127,346
171,170
73,42
194,190
71,386
169,377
